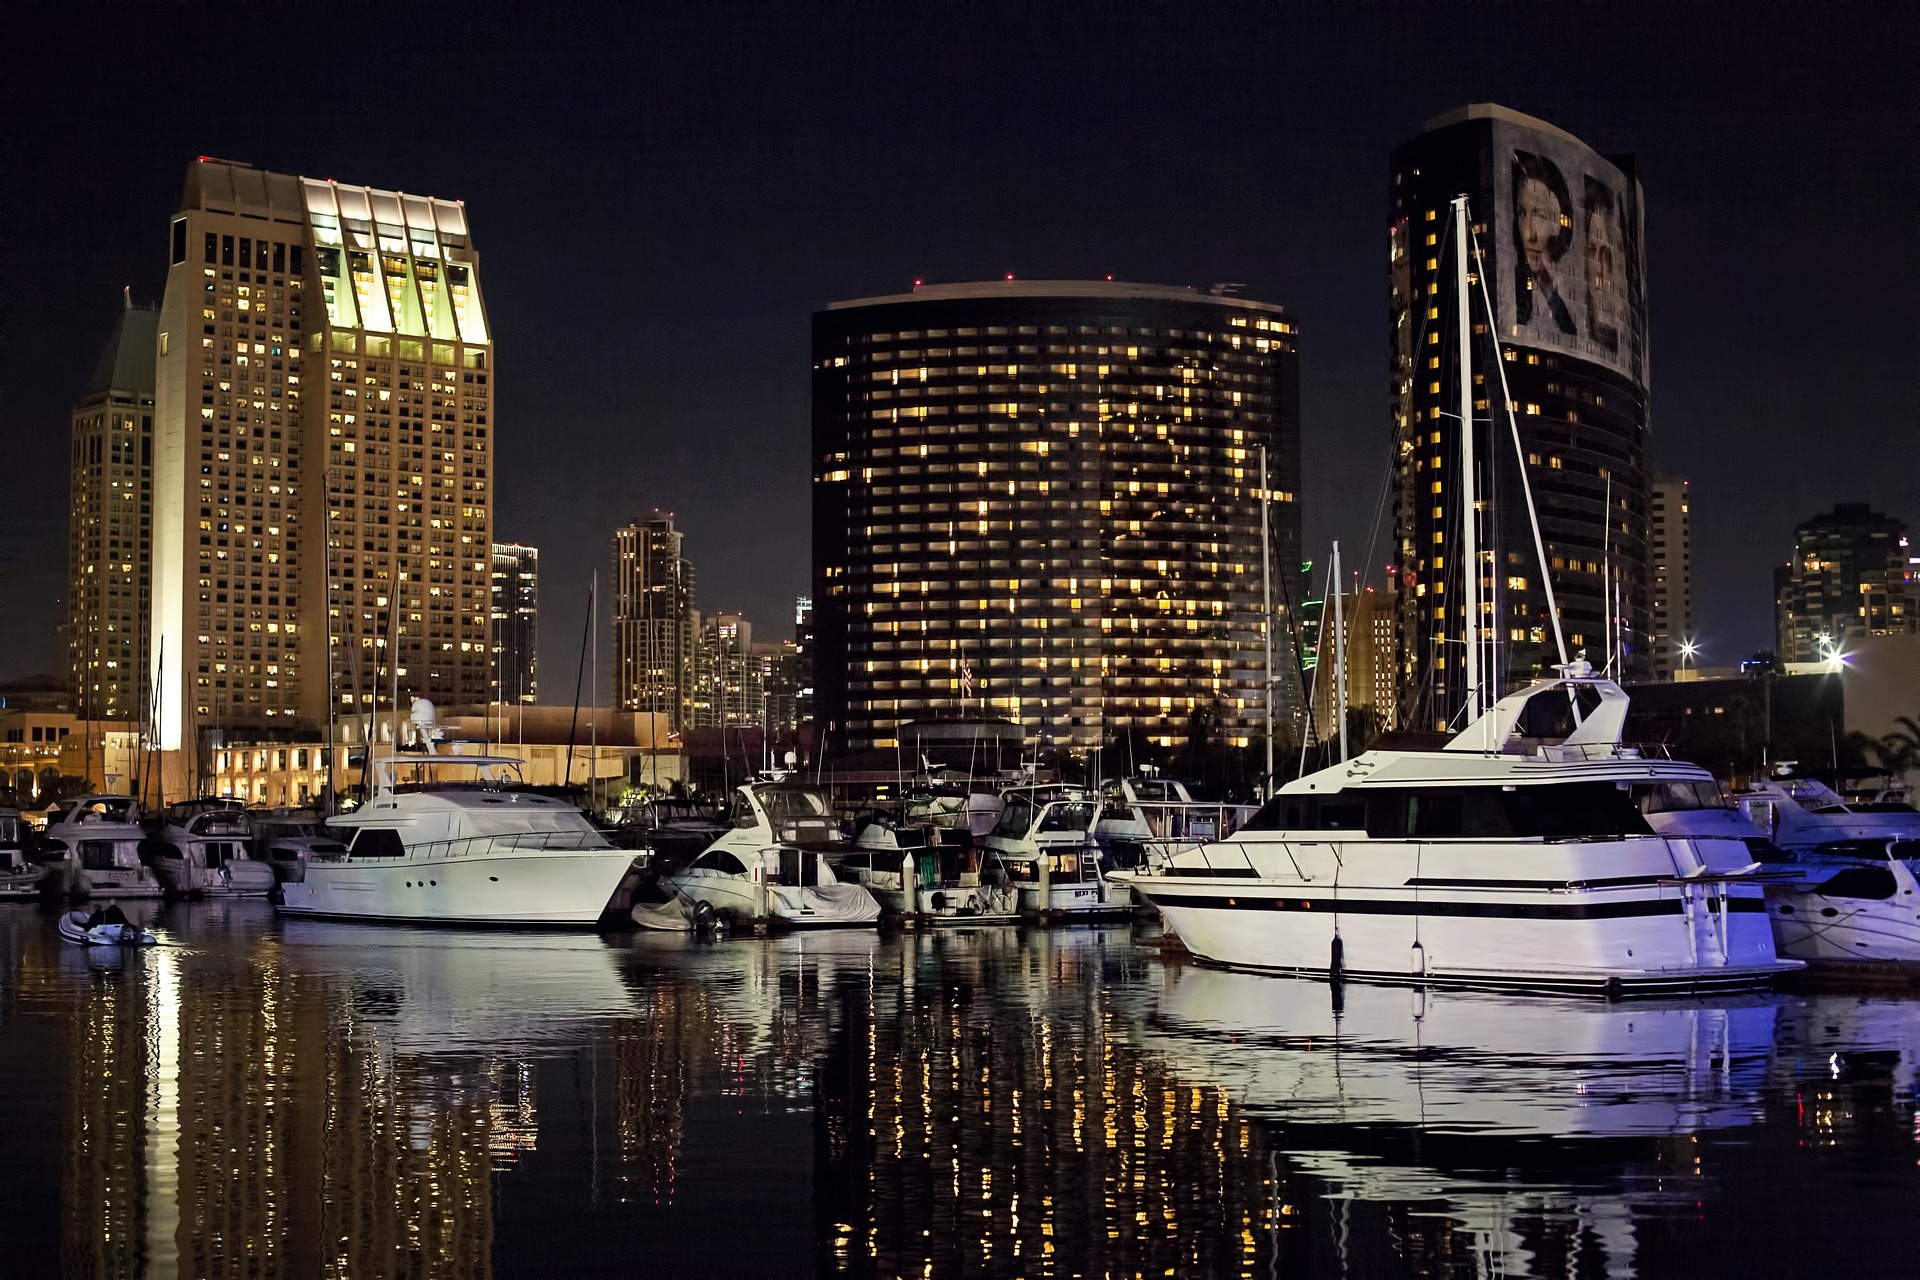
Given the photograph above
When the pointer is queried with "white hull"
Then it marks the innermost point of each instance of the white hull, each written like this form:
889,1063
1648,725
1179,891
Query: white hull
1089,899
1527,915
1809,926
238,879
118,882
565,887
824,906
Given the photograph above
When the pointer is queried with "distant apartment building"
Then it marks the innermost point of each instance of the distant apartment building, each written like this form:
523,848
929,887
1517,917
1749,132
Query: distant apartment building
110,526
323,508
516,622
1850,576
1042,500
654,628
1371,649
1671,574
726,684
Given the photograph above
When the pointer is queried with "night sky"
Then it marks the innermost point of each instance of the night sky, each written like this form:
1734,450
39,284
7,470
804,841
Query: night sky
661,195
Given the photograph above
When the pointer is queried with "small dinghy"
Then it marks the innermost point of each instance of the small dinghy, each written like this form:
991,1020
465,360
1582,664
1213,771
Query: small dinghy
106,927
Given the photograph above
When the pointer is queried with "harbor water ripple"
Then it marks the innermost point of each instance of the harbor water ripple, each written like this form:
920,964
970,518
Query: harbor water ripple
267,1097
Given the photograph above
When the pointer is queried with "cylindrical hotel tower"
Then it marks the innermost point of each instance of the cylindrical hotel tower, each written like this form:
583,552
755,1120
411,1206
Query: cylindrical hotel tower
1039,500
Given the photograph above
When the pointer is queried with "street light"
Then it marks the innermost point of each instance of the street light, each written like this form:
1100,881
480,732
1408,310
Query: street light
1687,649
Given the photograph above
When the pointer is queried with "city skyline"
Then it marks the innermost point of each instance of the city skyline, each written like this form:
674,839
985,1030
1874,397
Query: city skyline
768,219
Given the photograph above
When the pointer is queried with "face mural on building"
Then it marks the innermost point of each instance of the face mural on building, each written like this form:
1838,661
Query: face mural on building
1567,236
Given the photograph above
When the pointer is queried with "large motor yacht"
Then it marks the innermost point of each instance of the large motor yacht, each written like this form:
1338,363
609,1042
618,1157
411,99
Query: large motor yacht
774,863
201,848
93,849
460,839
1515,856
19,877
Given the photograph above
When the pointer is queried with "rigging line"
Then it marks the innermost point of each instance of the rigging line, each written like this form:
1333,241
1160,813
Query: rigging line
1520,454
1319,647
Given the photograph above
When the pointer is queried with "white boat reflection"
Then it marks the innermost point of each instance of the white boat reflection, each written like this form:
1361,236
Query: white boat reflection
1468,1063
1484,1110
453,991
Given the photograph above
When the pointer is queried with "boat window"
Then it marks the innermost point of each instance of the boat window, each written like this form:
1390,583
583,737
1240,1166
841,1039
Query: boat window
97,855
1297,812
785,805
1905,850
1015,818
378,842
1072,816
1679,796
722,861
1574,811
1860,882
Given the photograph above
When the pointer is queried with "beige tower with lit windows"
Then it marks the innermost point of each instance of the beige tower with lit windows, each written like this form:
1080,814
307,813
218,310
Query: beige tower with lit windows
322,456
109,526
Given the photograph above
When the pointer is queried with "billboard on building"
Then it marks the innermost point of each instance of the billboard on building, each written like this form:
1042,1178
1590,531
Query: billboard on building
1570,271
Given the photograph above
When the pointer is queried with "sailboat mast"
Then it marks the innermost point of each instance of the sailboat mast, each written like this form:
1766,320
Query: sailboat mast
1266,601
1469,555
1340,650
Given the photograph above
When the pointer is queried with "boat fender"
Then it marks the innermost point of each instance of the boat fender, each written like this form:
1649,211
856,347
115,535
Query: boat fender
1337,963
1419,961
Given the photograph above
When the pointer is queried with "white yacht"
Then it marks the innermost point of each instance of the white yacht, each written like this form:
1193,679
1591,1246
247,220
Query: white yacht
935,873
774,863
94,846
201,848
1514,857
459,839
1830,902
19,877
1803,814
1044,837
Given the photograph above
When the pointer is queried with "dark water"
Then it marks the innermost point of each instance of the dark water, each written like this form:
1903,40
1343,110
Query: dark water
271,1098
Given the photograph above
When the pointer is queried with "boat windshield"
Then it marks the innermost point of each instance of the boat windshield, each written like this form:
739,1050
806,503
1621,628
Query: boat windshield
1067,815
784,804
100,809
1680,796
452,773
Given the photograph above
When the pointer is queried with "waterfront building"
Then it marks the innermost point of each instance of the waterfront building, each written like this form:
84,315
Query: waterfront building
1041,500
516,622
109,525
1372,652
726,684
322,487
653,619
1559,237
1671,575
1849,578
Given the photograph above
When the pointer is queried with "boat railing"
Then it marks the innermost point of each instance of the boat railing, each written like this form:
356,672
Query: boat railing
1194,820
513,841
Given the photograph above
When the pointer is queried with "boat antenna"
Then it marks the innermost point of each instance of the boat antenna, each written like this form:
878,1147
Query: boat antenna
393,660
579,673
1526,485
1319,647
1340,645
333,702
1469,510
1606,564
1266,600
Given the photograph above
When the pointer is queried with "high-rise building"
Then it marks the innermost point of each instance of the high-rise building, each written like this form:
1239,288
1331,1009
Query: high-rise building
1041,501
1372,651
109,530
1557,247
803,661
516,622
1671,574
726,685
322,488
1850,577
654,628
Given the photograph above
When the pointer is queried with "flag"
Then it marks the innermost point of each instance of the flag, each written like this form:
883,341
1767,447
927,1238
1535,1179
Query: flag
966,680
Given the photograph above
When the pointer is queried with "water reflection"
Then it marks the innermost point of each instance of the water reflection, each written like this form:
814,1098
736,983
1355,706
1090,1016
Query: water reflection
266,1098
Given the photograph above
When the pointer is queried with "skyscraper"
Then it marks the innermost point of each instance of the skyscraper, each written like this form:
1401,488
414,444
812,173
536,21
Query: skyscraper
1672,574
1040,501
516,622
653,619
1558,230
1848,578
323,453
726,680
109,531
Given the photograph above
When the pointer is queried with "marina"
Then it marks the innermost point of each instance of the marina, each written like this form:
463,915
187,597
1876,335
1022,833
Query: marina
990,1101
